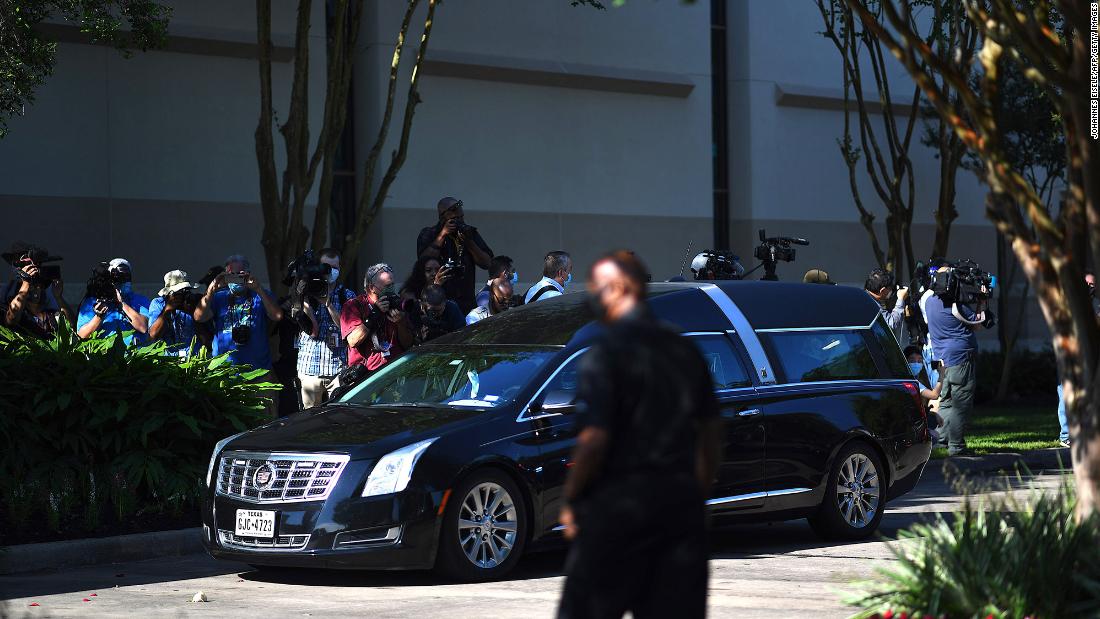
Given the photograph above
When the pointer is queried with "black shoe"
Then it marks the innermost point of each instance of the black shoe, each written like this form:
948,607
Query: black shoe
961,452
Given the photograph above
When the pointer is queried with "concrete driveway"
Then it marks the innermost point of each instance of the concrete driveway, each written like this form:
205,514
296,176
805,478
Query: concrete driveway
779,570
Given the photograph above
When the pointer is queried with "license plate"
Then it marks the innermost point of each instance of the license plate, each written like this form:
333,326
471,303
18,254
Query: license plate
255,523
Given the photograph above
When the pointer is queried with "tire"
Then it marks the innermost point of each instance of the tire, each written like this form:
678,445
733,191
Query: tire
470,551
855,497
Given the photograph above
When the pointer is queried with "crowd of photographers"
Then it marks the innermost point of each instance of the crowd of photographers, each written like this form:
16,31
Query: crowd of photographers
330,335
327,333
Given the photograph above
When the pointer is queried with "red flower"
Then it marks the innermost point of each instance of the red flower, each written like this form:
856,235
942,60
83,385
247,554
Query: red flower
34,604
93,595
87,600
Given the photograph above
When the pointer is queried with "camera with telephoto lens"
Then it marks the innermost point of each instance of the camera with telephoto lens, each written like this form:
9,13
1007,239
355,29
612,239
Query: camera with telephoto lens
186,300
964,283
37,256
773,250
307,278
456,267
717,264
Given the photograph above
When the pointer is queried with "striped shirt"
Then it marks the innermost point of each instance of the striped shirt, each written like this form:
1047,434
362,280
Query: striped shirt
327,355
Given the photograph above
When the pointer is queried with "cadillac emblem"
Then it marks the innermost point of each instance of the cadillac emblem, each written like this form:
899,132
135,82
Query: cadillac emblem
263,477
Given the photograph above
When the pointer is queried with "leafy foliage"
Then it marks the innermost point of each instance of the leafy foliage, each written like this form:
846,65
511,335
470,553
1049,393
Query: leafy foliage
1009,559
27,55
91,428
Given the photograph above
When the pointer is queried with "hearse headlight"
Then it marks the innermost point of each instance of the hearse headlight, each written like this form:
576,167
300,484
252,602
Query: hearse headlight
392,473
214,456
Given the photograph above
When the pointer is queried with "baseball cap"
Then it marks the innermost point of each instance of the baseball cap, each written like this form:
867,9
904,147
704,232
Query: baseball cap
174,281
119,264
817,276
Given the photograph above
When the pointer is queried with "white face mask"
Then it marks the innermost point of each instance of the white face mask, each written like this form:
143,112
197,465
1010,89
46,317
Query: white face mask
333,275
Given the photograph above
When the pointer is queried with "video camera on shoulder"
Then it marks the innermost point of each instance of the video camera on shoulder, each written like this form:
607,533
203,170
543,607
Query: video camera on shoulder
964,283
773,250
103,284
24,255
307,277
717,265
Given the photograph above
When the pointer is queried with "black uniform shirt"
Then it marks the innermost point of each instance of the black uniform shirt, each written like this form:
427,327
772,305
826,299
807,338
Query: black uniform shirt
459,288
648,387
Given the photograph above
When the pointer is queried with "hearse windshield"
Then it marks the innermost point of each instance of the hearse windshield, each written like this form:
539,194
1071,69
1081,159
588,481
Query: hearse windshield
470,376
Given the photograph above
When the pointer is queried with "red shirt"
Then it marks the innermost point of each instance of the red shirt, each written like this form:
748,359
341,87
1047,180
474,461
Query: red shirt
358,312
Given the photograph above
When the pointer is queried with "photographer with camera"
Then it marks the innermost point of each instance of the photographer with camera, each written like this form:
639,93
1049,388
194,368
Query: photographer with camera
1063,421
111,304
322,351
426,271
242,312
499,266
880,285
500,299
373,324
714,265
172,314
439,315
557,274
952,324
34,299
460,248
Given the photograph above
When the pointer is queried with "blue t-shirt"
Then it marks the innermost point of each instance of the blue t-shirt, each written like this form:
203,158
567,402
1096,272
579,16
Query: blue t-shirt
954,340
180,330
116,321
229,312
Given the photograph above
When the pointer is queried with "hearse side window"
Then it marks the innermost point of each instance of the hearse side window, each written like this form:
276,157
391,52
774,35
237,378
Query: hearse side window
566,378
895,358
725,367
814,356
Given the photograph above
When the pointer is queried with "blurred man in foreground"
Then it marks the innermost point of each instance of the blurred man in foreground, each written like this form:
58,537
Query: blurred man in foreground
647,451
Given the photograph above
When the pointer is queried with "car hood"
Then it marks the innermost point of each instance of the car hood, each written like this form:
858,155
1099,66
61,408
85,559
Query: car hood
362,432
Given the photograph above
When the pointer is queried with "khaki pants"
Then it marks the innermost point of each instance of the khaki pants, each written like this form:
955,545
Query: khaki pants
315,389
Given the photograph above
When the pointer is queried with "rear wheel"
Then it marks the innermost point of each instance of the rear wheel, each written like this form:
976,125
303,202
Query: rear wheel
855,495
484,528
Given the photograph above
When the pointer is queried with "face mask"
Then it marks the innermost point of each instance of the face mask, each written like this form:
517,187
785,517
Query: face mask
596,306
389,291
916,367
333,275
238,289
568,280
125,288
515,277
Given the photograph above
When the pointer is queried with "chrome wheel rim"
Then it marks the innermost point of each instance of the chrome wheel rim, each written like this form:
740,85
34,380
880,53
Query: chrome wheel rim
487,525
858,490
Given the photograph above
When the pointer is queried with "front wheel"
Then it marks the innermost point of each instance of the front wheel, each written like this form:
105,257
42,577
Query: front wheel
484,528
855,496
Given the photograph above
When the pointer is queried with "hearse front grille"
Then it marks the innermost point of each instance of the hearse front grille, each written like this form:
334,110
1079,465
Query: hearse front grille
286,478
244,542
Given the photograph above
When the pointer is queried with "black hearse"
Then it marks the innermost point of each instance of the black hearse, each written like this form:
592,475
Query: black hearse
454,455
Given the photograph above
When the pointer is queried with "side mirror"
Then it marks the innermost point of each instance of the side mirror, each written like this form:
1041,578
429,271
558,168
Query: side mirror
561,402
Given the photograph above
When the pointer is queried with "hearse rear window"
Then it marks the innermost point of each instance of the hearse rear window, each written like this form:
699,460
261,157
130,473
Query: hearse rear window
814,356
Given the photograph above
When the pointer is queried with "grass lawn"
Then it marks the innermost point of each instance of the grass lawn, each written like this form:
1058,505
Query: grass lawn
1005,429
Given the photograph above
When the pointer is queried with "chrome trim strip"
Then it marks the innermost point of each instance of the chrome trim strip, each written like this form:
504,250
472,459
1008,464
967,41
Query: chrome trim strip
744,330
694,333
393,534
523,410
227,539
560,527
734,499
752,412
798,329
755,495
788,491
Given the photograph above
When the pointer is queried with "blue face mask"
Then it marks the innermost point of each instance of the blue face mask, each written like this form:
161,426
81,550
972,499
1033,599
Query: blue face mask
916,367
568,280
238,289
333,275
126,288
515,277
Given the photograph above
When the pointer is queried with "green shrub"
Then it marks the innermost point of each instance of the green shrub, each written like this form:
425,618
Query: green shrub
1017,559
93,433
1034,375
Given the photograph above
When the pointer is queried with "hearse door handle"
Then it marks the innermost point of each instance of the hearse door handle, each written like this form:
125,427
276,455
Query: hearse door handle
752,412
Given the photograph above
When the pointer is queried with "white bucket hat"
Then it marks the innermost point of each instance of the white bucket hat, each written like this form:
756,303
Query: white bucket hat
175,281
